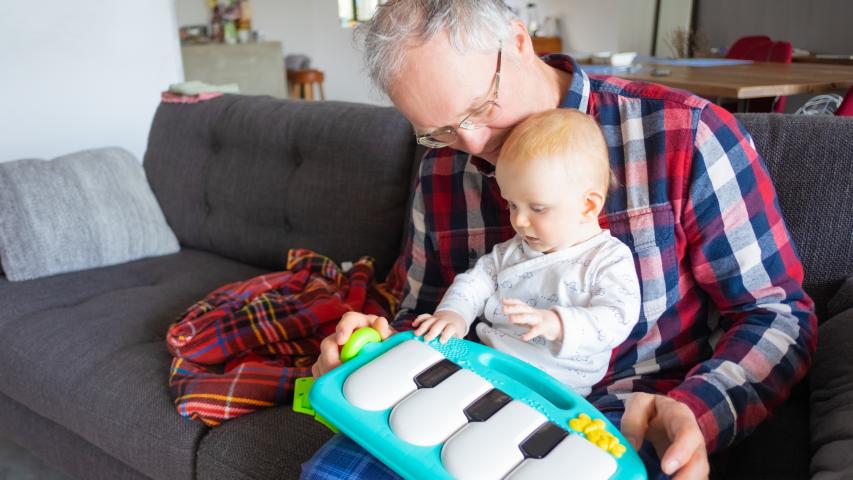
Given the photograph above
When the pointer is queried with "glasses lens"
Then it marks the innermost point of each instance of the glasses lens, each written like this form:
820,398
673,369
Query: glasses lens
482,116
430,142
439,138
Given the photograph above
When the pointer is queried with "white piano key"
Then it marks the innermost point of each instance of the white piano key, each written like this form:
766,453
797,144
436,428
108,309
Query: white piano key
430,415
490,449
574,457
387,379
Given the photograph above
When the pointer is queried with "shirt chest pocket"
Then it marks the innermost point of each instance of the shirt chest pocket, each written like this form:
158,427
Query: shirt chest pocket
650,233
458,250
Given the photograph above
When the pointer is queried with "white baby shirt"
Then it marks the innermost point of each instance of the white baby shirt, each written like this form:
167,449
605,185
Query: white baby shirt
592,286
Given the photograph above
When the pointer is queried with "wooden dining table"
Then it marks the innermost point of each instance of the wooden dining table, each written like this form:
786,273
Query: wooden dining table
747,80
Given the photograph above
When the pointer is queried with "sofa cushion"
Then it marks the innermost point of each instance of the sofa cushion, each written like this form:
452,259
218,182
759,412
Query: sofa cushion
84,210
271,443
87,351
832,394
804,157
250,177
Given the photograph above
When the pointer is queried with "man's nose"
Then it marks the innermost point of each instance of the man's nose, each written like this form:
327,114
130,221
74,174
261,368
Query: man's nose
472,141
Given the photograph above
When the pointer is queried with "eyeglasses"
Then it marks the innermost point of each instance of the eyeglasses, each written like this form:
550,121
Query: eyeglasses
479,118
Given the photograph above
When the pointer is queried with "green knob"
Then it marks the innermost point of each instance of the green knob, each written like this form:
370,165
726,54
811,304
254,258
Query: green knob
357,340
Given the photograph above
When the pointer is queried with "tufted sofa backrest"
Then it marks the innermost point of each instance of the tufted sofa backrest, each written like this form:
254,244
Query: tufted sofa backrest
250,177
810,159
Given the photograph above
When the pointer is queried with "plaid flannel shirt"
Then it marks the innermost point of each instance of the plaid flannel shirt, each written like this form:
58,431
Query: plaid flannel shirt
725,325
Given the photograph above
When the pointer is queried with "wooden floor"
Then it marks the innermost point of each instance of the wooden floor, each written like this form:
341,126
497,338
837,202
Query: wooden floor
18,464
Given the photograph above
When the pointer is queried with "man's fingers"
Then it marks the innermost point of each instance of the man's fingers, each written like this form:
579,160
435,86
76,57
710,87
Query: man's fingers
349,323
686,439
696,468
329,357
639,408
381,326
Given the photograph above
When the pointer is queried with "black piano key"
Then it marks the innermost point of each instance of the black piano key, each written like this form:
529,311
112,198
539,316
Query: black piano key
436,374
543,440
486,406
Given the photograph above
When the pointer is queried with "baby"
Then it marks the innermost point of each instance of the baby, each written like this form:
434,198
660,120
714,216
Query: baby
562,293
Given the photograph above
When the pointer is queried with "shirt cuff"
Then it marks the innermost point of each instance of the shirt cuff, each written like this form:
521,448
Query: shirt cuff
712,410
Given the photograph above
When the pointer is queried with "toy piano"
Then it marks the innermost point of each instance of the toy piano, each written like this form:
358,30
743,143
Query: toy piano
463,410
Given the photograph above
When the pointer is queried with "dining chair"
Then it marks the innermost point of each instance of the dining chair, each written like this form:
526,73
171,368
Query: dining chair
763,49
846,107
744,44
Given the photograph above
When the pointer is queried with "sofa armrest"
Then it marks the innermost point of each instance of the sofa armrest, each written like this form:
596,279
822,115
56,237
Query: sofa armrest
831,416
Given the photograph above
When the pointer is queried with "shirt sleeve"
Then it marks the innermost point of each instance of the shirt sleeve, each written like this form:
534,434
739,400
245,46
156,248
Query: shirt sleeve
613,310
415,278
470,291
742,256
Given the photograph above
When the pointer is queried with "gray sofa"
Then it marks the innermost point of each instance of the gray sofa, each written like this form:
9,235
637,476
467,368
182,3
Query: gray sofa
84,366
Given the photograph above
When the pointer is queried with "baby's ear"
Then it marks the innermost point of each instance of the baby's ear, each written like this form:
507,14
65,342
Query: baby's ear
593,203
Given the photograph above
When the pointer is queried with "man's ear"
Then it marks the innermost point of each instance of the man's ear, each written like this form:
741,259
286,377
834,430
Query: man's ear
521,43
592,204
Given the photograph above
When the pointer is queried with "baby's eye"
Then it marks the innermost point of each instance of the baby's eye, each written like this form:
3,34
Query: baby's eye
537,209
511,205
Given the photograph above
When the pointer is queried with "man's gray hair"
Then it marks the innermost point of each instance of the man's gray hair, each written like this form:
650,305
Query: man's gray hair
401,24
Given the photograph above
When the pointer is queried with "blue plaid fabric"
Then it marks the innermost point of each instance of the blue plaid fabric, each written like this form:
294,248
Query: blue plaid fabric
341,458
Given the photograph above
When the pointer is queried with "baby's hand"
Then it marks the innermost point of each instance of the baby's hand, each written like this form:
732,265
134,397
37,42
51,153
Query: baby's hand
445,323
541,322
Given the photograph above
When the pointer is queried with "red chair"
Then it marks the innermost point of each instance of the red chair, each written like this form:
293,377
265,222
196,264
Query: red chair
763,49
846,107
742,44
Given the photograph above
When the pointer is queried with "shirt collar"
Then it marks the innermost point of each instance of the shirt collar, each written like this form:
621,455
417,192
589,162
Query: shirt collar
576,97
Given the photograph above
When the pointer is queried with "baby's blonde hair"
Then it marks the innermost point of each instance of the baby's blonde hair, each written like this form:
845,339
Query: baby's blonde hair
566,135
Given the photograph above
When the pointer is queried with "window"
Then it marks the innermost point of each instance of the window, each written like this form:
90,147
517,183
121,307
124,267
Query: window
352,12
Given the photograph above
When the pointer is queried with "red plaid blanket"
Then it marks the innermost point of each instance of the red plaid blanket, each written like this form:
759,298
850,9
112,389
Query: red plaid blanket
243,346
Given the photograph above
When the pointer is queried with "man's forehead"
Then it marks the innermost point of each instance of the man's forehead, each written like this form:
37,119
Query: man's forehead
433,91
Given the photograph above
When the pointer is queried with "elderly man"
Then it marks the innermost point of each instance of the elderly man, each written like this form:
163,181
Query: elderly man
725,329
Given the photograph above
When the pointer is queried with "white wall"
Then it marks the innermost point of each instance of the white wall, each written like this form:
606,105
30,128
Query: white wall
599,25
83,74
312,27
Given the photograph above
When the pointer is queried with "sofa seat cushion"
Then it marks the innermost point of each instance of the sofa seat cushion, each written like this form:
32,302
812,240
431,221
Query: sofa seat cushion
86,350
270,443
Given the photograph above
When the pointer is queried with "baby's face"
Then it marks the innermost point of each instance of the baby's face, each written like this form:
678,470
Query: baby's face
545,204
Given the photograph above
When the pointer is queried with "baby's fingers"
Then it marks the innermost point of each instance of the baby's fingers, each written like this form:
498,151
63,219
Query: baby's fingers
420,319
425,324
524,319
535,331
449,331
517,309
435,330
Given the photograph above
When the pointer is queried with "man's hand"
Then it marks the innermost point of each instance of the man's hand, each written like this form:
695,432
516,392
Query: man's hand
671,427
330,355
445,323
541,322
